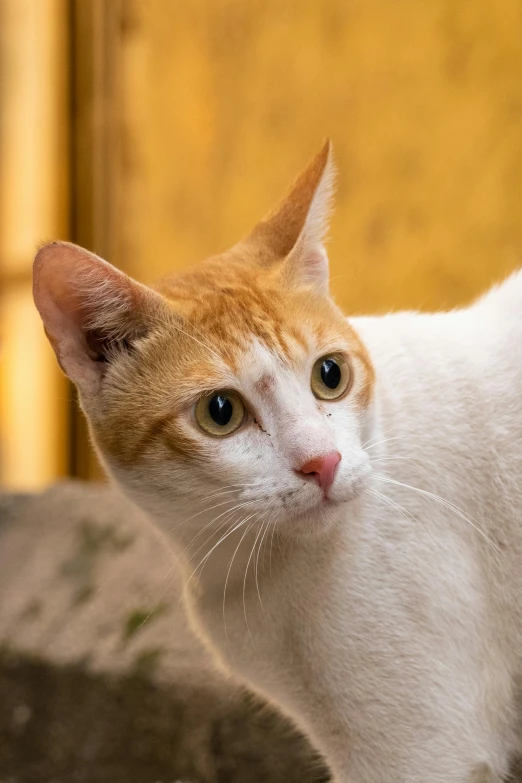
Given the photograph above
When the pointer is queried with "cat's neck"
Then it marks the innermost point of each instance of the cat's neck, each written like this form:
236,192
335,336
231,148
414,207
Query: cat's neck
244,558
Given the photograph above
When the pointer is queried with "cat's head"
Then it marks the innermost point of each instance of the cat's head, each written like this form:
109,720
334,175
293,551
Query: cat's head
237,382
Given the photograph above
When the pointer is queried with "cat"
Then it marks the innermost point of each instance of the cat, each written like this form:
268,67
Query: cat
345,496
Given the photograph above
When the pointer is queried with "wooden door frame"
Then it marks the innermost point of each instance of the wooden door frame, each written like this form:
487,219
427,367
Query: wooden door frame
95,32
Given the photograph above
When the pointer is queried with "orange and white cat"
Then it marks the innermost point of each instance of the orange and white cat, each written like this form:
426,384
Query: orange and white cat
345,496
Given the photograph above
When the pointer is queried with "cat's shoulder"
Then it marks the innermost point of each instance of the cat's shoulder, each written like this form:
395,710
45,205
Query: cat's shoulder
506,295
493,321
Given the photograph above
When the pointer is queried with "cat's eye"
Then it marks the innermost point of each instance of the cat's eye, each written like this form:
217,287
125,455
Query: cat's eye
331,377
220,413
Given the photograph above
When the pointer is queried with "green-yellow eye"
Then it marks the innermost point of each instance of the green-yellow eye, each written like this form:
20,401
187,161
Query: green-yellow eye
220,413
331,377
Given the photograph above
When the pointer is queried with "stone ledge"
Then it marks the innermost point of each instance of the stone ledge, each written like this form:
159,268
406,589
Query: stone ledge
63,724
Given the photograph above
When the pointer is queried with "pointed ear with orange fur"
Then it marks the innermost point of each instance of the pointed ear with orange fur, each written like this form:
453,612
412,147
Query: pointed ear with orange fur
296,229
91,311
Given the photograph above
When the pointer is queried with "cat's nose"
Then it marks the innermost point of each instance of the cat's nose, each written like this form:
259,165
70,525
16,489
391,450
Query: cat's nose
322,469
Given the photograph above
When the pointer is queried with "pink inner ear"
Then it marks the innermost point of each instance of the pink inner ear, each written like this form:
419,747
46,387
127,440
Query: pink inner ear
307,264
314,266
73,291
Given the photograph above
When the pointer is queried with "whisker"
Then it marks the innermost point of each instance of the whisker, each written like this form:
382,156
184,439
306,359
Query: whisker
227,515
201,564
261,528
267,525
393,505
232,530
405,513
191,336
210,345
205,558
271,545
385,440
198,514
394,457
255,513
378,436
215,519
446,504
245,577
225,491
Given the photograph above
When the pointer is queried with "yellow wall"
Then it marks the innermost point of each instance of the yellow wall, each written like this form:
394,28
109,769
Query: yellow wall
225,101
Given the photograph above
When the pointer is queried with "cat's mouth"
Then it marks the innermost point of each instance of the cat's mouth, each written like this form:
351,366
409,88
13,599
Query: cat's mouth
345,489
310,500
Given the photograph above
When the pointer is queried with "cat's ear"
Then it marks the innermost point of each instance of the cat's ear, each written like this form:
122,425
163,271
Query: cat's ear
297,228
91,311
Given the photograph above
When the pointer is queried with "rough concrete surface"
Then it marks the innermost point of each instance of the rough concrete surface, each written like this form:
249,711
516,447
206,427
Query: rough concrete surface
101,679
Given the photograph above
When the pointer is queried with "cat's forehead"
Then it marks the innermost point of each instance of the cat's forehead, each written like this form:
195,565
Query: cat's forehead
263,369
234,308
244,325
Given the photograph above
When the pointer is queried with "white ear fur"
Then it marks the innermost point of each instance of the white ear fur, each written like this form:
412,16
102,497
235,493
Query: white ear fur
89,309
309,259
295,230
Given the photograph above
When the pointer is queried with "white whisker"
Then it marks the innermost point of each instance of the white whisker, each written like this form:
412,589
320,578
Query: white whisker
256,562
267,525
381,442
226,514
191,336
233,529
228,574
397,458
393,505
379,435
271,545
198,514
445,503
246,571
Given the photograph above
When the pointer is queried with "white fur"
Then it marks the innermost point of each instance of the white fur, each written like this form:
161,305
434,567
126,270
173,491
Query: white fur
309,256
389,626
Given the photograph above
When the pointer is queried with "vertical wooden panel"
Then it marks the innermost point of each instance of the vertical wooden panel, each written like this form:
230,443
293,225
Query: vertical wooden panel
96,118
33,208
96,176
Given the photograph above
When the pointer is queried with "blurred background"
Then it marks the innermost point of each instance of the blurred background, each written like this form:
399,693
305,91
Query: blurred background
157,132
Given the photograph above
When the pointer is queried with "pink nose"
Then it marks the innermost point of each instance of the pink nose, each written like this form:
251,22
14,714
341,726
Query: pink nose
322,469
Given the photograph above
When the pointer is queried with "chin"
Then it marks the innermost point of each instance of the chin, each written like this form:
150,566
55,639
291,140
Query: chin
315,522
319,515
316,519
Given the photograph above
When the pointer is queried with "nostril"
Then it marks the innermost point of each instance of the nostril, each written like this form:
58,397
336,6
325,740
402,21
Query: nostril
312,474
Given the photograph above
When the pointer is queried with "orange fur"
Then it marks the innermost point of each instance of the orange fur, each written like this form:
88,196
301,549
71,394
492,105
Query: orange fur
225,305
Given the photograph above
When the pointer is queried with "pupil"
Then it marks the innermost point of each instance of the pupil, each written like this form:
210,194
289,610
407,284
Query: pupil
331,373
220,409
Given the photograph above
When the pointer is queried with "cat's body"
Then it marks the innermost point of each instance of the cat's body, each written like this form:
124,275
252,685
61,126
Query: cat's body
397,642
385,617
